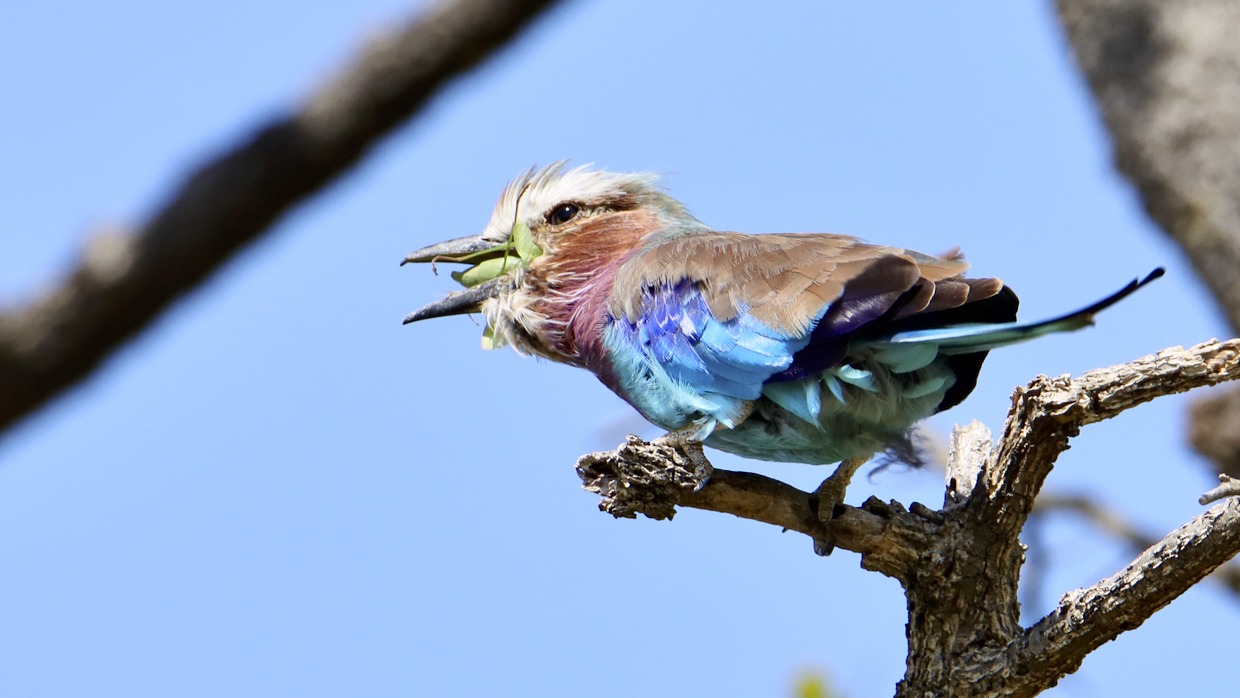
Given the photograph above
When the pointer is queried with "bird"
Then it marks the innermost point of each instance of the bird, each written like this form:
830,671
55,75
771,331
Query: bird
805,348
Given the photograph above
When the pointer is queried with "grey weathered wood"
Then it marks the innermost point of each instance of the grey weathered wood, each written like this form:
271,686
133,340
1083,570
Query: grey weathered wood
960,567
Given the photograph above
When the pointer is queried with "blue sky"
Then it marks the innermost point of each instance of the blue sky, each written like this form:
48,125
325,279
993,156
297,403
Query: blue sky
279,490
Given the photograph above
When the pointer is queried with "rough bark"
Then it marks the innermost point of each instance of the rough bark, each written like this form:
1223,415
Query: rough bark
960,566
1166,76
125,281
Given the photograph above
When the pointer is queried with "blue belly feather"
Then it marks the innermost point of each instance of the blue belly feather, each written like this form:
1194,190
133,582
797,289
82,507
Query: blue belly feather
680,366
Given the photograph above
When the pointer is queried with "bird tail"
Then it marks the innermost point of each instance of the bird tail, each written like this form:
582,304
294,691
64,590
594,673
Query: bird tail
969,338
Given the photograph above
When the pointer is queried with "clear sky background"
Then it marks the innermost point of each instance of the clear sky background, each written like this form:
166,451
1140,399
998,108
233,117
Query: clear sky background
279,490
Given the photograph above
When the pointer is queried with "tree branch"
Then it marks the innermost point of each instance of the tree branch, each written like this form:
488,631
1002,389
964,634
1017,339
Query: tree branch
1085,619
1228,487
960,566
654,478
124,282
1049,411
1113,523
1164,74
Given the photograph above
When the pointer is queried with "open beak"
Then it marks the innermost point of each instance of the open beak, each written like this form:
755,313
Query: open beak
492,260
468,301
467,250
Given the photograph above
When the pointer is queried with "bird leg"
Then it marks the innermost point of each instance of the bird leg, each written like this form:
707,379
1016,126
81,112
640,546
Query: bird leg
829,494
831,491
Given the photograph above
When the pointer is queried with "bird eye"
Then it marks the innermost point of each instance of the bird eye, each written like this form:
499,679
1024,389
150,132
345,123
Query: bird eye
563,213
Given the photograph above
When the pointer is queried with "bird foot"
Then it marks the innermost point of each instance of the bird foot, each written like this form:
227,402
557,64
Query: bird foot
831,494
684,440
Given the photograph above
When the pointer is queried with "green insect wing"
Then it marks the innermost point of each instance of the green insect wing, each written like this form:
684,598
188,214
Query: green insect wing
524,242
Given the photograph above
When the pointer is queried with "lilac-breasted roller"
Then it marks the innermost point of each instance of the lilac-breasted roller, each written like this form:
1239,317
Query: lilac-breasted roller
808,348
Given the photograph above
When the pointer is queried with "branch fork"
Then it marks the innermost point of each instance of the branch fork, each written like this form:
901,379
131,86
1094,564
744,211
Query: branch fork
960,565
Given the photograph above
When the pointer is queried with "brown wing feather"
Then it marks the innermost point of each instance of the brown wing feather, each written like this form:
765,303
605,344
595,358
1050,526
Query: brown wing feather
786,280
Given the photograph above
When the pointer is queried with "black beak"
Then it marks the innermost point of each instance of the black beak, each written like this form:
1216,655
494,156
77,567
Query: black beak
452,250
468,301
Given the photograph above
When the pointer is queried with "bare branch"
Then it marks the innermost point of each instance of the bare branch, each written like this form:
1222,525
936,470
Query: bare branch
966,458
1165,74
1049,411
125,281
1085,619
1229,487
653,478
1113,523
960,566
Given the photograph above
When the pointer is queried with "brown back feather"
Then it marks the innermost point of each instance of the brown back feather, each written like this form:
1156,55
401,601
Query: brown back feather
786,281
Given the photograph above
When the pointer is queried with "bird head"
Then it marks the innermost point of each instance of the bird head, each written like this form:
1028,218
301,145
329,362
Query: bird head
552,232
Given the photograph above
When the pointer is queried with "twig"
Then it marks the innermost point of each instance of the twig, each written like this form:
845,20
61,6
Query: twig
968,453
124,282
653,478
1229,487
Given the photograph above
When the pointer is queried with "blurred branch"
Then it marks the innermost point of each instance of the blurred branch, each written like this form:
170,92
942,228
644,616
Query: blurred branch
124,282
1166,75
1116,525
1097,514
1214,429
960,566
